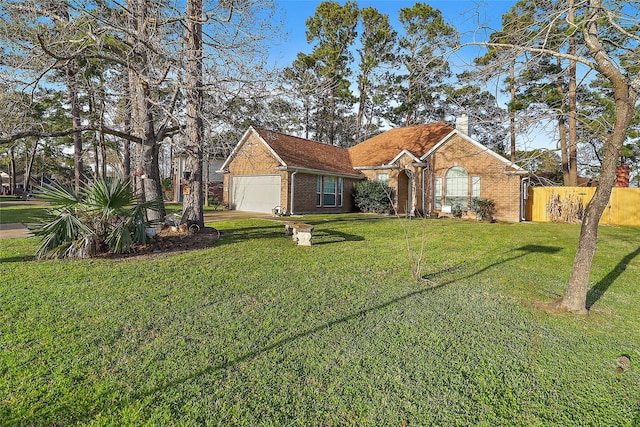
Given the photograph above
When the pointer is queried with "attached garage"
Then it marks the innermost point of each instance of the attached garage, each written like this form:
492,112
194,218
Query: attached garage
256,193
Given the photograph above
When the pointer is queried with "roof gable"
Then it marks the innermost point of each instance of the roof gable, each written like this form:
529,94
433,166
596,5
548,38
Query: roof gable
383,149
243,140
472,141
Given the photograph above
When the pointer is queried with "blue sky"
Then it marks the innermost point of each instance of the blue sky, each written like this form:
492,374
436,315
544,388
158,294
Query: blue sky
466,16
472,19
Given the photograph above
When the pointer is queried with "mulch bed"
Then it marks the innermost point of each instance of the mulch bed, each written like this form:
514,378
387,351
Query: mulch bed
170,240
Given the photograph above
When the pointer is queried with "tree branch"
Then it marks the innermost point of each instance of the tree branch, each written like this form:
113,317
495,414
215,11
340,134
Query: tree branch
523,49
66,132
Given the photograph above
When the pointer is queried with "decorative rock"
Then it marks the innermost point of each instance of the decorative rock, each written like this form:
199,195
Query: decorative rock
303,234
288,229
623,363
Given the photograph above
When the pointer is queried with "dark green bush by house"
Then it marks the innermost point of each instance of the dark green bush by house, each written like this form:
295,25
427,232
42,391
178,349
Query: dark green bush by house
483,208
372,196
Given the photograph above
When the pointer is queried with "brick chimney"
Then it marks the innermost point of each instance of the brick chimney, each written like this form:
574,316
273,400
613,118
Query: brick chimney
622,176
462,124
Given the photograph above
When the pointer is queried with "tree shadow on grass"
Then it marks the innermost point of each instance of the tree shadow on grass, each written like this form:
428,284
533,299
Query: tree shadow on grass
596,292
236,235
529,249
332,236
320,237
282,342
28,258
525,250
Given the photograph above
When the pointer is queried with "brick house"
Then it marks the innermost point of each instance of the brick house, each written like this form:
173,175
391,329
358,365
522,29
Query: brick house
430,168
268,170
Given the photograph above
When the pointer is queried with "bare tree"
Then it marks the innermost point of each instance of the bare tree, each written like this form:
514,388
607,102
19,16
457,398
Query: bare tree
194,200
608,31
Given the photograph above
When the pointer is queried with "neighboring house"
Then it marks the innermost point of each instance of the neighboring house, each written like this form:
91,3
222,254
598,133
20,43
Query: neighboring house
430,168
212,175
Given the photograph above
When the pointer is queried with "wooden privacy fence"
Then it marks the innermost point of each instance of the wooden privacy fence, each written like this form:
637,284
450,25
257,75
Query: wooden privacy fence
566,204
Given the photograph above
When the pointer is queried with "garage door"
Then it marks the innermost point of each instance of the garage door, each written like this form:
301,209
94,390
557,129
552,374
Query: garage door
259,193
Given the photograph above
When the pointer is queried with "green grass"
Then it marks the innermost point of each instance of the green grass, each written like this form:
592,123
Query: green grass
257,331
21,214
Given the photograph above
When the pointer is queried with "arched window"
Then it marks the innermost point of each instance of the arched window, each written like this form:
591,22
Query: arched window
457,188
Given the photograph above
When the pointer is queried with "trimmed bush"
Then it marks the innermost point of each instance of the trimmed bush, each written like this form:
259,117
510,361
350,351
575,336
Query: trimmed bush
483,208
372,196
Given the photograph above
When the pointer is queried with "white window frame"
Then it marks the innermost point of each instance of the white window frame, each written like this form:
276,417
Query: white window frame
322,193
437,192
456,191
475,187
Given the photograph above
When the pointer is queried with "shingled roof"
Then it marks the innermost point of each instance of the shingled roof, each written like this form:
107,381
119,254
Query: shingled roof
300,153
383,148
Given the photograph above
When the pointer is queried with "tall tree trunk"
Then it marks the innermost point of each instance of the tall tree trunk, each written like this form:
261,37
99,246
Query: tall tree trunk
407,121
96,157
307,115
573,109
193,201
126,144
142,122
362,105
562,128
332,120
103,156
29,166
126,155
12,170
72,88
575,297
512,110
148,167
205,180
564,157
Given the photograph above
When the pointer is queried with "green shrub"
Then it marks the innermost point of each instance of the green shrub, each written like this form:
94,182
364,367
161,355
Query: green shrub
167,184
457,211
483,208
372,196
104,216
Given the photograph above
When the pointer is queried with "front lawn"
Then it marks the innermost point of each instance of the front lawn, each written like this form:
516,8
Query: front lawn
257,331
24,213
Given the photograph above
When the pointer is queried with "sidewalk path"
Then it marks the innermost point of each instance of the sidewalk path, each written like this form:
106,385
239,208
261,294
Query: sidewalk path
10,231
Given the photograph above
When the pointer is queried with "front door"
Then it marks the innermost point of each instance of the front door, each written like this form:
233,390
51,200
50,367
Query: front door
405,192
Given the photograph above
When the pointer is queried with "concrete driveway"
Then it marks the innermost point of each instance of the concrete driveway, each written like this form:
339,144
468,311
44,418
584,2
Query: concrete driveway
11,231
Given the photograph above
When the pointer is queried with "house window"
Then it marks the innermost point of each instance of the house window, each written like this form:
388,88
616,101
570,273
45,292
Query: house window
329,191
475,187
457,188
383,177
437,193
319,191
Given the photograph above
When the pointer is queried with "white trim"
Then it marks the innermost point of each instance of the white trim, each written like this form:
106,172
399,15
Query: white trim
403,152
318,172
467,138
364,168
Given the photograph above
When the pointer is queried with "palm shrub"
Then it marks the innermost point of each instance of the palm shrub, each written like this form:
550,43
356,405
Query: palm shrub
105,216
372,196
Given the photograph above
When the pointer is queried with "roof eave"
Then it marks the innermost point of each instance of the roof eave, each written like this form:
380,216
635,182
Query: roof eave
389,166
319,172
